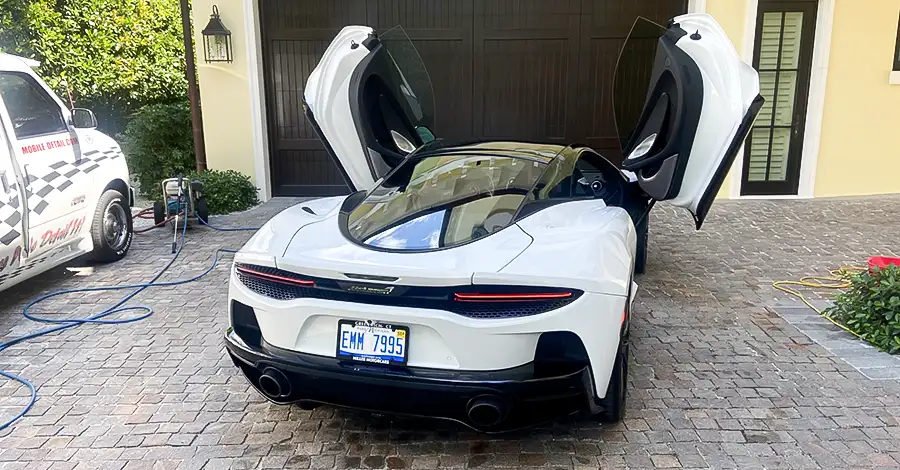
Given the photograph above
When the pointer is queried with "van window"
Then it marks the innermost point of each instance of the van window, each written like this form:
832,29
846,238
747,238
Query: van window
32,110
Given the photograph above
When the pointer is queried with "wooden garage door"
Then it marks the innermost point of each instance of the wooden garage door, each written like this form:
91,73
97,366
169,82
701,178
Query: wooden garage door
536,70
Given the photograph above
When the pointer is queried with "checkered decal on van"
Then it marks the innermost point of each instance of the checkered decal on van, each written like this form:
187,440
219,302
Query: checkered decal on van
60,176
57,179
29,264
10,218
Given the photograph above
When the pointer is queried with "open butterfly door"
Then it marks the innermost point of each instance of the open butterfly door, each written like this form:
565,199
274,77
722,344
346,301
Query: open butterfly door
681,139
370,101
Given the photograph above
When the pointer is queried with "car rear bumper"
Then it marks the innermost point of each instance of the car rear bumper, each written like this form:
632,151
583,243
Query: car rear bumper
487,401
587,328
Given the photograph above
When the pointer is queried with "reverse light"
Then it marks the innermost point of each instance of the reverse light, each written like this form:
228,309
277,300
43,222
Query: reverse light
274,277
525,297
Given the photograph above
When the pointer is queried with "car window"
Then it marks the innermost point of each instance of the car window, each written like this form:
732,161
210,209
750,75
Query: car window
32,110
558,182
443,200
415,87
567,177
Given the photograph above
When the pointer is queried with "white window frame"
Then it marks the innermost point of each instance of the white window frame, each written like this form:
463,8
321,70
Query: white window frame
259,138
895,70
815,104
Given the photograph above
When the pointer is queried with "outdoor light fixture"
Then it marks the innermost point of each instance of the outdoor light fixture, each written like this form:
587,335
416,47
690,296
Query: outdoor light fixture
216,39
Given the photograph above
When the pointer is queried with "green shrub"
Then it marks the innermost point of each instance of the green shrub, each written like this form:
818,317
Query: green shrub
158,144
871,307
227,191
113,55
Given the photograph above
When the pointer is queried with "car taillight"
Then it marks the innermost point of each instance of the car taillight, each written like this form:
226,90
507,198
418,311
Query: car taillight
523,297
259,272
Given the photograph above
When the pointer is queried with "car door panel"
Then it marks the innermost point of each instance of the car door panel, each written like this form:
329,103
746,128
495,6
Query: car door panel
668,121
357,95
700,101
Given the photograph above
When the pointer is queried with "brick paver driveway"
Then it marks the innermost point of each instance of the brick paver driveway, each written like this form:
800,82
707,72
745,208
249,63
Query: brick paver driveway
717,379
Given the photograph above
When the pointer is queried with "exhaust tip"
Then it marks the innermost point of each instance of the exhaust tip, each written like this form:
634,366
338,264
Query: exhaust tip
486,411
274,384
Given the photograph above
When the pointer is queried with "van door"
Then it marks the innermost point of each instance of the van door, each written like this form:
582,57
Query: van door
12,224
681,139
57,175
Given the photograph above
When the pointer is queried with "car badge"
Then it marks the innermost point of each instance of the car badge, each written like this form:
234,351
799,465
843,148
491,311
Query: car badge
387,290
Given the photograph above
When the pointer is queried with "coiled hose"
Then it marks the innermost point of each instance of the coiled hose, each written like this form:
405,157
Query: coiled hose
118,307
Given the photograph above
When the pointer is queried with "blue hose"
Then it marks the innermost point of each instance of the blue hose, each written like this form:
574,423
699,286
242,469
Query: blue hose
118,307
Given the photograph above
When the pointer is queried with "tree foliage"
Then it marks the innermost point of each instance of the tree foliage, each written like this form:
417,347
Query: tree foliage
113,56
158,144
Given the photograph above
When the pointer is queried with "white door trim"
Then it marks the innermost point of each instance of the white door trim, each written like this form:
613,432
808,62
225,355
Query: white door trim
696,6
815,104
257,100
815,111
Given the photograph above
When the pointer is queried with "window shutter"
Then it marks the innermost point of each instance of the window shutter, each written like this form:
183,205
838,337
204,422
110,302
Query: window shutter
779,59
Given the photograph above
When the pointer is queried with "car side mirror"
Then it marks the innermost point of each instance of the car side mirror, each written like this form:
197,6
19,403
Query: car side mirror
402,142
84,119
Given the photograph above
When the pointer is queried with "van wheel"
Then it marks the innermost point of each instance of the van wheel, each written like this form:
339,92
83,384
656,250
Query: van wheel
112,228
614,402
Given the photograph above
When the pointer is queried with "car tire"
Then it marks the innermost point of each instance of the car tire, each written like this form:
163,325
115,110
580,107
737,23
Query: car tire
613,403
640,254
112,229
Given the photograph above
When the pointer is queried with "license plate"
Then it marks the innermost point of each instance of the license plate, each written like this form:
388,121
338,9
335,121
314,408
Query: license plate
374,343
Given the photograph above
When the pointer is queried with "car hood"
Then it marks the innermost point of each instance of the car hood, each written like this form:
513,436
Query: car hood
319,248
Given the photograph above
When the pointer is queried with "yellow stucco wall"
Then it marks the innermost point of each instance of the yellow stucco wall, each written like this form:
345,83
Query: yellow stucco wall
731,16
225,92
859,138
860,149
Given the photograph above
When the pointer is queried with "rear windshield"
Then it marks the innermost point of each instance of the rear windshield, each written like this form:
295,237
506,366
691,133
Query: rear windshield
440,201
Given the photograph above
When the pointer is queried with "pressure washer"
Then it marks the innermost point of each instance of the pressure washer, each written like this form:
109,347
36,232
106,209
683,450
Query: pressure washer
182,201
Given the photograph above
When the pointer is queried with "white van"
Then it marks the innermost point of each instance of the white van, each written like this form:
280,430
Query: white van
64,186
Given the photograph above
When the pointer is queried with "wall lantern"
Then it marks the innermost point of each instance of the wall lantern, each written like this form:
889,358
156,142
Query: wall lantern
216,39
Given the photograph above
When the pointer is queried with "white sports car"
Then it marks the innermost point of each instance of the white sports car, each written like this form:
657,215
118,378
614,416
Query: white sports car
488,283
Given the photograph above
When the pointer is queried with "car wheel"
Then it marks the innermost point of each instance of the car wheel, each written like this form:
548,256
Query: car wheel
640,254
614,402
112,228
